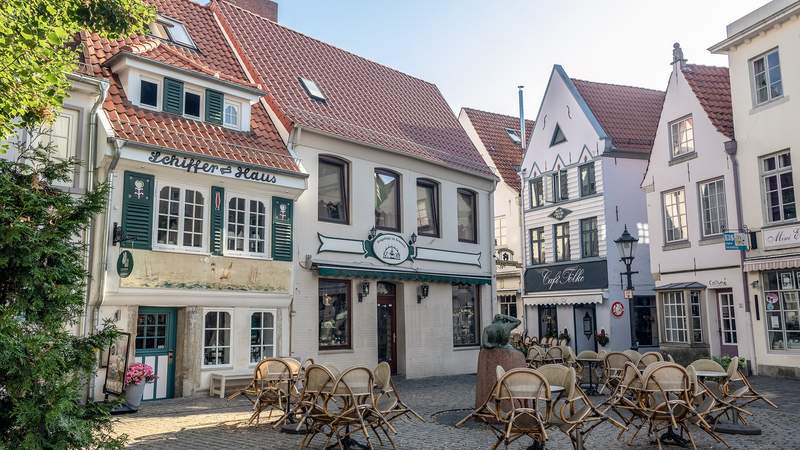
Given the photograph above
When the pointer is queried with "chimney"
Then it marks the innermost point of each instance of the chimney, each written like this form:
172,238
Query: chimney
522,119
264,8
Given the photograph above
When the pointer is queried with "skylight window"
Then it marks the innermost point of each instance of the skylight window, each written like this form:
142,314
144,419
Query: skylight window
513,135
171,30
312,89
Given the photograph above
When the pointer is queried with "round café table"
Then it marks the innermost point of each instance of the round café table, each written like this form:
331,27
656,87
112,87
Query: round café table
591,364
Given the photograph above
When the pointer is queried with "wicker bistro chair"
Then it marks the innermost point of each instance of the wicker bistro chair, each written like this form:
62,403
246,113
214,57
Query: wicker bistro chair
739,392
633,355
648,358
535,356
272,384
387,399
554,355
580,371
528,394
352,405
311,406
562,342
668,399
613,364
625,400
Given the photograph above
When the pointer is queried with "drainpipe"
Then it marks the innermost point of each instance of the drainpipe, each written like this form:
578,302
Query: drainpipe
95,309
493,287
524,258
731,148
292,142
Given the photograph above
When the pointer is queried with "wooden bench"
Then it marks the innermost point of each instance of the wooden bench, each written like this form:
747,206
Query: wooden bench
220,380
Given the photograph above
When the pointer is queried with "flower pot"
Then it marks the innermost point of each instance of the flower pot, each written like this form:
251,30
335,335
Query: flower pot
133,395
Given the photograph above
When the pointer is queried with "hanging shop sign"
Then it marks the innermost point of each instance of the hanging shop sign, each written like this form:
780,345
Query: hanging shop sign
781,237
125,264
735,240
394,249
617,309
567,277
200,166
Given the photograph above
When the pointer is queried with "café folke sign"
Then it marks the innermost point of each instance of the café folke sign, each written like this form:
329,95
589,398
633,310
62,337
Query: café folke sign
567,277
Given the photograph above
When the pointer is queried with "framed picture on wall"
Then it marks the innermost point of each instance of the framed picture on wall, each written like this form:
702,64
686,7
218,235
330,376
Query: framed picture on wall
787,280
117,364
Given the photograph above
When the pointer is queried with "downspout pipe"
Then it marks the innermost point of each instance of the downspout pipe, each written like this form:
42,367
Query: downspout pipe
290,144
731,149
522,179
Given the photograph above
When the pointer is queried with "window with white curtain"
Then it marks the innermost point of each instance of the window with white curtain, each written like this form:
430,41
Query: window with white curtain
675,329
262,335
675,227
181,215
247,226
217,338
682,136
712,206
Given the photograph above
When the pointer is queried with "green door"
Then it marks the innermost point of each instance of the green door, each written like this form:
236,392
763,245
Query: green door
155,346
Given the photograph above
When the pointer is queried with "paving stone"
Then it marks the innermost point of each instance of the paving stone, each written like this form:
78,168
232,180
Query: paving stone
213,423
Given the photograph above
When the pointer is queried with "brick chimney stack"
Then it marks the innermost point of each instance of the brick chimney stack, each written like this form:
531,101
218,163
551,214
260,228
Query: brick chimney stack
264,8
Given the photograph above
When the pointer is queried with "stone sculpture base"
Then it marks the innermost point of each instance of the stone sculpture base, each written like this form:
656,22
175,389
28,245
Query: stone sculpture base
488,360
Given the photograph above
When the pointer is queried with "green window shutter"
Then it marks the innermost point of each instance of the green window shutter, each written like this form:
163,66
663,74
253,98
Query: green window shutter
214,102
281,229
137,210
217,219
173,96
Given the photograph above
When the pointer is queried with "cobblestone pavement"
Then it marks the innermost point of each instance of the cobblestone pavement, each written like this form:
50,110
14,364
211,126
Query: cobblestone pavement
212,423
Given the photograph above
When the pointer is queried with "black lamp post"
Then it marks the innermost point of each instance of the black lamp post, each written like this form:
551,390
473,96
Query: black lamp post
625,245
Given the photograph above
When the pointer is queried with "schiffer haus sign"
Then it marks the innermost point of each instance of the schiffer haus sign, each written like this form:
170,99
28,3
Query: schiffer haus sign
196,165
567,277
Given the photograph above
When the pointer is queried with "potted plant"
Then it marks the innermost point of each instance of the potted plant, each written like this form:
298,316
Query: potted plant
136,377
602,337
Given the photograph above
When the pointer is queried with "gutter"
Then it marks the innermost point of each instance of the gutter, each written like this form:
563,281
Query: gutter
731,148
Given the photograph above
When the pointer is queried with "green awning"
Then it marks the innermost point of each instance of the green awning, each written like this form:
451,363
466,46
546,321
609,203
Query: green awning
326,270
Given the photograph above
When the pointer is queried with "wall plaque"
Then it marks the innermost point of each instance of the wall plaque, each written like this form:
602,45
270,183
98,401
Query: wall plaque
781,237
125,264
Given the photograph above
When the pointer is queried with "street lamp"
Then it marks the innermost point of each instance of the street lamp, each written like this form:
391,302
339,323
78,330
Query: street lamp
625,246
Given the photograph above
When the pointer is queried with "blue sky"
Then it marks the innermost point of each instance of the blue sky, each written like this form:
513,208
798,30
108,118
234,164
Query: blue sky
477,52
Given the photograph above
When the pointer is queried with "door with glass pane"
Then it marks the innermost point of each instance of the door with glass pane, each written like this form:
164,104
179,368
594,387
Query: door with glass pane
387,324
155,346
727,324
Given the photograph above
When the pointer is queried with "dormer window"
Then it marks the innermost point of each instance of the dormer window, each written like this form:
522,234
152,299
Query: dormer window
171,30
148,93
231,115
313,89
513,135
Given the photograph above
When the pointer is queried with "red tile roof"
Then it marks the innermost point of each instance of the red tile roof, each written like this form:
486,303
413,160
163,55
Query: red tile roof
505,153
628,114
712,87
261,146
365,102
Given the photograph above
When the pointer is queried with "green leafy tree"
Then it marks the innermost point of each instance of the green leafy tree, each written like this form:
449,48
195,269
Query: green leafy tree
38,51
42,285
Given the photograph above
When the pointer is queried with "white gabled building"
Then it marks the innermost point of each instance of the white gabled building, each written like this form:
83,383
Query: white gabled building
763,49
581,175
498,138
691,201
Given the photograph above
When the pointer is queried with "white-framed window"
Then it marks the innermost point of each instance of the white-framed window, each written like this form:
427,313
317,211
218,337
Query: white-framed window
695,315
767,81
782,309
727,315
508,304
246,227
537,192
217,337
231,116
500,231
180,218
714,213
675,329
559,185
675,228
682,136
192,103
777,183
171,30
514,136
262,335
149,92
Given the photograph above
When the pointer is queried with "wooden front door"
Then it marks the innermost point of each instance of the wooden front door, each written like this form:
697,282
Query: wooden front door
728,339
387,324
155,346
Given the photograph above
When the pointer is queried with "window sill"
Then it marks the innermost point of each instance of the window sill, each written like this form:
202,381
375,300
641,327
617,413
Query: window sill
676,245
682,158
246,256
464,348
769,104
337,222
221,367
780,224
711,240
199,252
336,351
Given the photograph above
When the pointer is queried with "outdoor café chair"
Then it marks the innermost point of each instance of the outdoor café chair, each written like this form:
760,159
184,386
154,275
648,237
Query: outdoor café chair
649,358
554,355
704,403
562,342
668,402
535,356
352,405
613,364
633,355
527,394
388,400
744,394
312,404
580,371
625,400
270,388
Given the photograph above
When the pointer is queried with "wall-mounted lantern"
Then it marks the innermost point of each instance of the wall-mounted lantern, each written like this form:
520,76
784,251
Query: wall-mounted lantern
363,290
588,328
422,292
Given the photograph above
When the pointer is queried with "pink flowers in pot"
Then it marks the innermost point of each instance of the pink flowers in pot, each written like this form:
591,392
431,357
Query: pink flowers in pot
139,373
